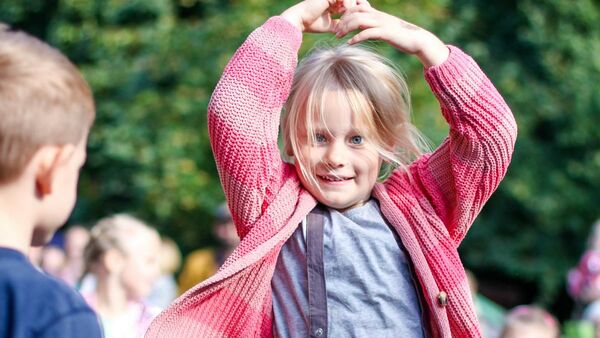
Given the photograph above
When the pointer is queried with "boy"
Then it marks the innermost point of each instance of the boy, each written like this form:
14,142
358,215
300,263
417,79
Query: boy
46,111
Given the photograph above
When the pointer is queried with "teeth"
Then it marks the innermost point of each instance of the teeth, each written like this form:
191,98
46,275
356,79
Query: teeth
333,178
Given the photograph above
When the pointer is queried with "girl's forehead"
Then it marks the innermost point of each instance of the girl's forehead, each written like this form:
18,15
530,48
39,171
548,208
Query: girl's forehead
142,239
339,108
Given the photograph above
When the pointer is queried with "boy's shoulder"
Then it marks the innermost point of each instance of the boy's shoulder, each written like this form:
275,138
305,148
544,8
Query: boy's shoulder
19,275
35,304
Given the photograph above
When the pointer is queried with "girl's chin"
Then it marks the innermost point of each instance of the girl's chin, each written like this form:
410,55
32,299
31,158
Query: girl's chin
338,205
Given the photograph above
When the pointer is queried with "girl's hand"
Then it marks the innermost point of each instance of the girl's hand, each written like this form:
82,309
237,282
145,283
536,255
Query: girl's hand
404,36
314,16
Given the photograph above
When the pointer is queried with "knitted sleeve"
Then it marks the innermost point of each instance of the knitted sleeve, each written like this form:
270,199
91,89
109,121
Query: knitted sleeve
460,176
243,119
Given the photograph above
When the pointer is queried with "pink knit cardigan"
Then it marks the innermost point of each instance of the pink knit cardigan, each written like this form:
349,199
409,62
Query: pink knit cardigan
431,211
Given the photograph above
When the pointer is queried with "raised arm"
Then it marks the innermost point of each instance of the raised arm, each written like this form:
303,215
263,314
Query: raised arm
243,118
244,111
459,177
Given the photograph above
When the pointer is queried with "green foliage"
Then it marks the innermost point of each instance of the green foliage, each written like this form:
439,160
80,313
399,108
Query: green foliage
153,64
543,56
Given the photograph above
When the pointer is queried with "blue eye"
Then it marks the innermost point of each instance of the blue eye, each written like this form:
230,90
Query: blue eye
320,138
357,139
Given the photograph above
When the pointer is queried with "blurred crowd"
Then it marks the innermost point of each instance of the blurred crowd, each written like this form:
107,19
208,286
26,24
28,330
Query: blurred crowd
534,321
126,271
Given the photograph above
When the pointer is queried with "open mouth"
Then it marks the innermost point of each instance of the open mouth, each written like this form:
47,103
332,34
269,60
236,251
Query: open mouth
334,179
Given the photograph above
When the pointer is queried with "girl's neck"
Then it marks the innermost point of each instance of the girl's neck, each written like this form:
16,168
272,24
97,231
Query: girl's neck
111,299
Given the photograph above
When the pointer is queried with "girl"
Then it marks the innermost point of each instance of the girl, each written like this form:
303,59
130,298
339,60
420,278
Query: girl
122,255
326,250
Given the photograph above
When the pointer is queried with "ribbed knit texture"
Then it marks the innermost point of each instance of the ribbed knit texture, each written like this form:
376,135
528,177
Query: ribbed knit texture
431,208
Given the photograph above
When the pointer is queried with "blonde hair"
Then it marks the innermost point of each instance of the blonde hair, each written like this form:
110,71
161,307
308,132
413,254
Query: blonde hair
525,319
43,101
113,233
376,92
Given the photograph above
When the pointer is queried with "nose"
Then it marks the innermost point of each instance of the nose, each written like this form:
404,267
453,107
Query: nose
336,155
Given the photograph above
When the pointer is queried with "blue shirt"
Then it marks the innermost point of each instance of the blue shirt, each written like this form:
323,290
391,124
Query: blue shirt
366,279
33,304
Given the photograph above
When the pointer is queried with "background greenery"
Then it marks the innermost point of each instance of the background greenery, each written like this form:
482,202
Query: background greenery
153,63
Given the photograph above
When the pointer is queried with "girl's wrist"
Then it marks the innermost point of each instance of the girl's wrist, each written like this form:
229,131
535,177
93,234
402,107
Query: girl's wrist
433,51
292,16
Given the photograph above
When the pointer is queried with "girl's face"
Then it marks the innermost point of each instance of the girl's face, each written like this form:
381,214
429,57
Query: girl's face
141,266
345,165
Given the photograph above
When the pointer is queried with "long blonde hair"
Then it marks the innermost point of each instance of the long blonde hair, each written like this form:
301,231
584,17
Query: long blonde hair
376,92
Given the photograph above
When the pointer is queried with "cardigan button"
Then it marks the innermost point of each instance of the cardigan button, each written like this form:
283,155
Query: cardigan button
442,299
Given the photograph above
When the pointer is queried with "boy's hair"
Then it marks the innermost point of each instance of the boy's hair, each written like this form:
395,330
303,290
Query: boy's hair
110,233
376,92
43,101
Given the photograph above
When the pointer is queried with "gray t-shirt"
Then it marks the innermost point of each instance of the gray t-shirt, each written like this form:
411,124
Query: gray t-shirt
349,277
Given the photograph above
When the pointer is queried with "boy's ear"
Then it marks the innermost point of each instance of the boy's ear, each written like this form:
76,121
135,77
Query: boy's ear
47,161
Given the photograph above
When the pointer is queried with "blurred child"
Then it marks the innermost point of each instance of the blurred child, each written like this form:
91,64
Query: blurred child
165,290
76,238
123,256
329,248
490,314
583,283
528,321
202,263
46,111
52,260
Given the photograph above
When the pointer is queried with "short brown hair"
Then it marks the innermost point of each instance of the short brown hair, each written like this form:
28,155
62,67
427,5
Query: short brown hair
44,100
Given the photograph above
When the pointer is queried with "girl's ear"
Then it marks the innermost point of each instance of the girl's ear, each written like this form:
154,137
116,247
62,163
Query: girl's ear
113,261
46,162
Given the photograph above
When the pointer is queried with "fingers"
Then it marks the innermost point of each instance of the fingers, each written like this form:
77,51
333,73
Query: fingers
367,34
359,7
341,6
352,21
333,26
349,4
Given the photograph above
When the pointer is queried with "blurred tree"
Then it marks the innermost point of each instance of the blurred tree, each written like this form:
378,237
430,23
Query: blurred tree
543,56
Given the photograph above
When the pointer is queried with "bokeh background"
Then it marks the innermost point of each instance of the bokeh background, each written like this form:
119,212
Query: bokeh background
152,65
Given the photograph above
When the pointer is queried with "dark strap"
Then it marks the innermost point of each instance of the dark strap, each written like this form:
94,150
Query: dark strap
317,298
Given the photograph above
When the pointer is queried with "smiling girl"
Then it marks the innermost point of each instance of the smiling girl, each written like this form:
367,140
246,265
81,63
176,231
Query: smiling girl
329,247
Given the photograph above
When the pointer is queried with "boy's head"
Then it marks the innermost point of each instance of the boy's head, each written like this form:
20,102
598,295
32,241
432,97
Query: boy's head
347,114
46,111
